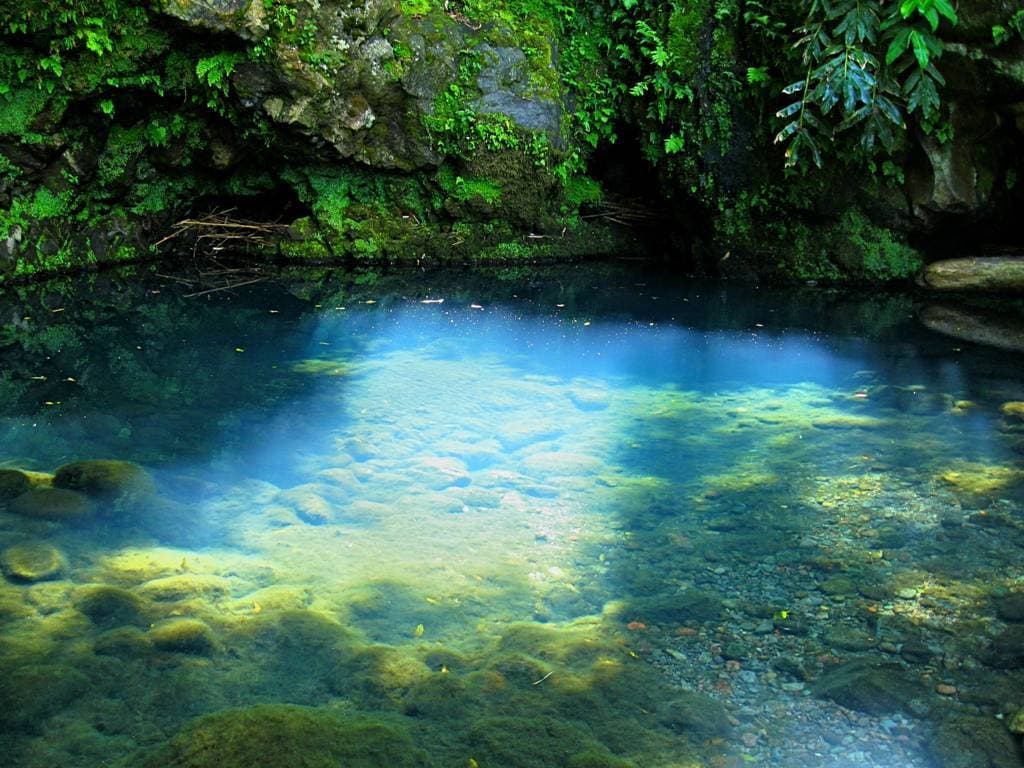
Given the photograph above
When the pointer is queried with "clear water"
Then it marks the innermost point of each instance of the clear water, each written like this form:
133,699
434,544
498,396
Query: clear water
580,517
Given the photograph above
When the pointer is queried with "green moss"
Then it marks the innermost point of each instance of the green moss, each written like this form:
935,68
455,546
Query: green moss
20,108
268,736
106,480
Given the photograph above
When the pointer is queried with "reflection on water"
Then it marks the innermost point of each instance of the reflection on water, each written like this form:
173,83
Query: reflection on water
589,521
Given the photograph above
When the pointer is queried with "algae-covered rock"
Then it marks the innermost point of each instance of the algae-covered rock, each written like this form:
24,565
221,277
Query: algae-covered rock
106,480
272,736
1011,607
123,642
996,273
32,562
31,694
13,483
876,689
974,742
442,696
110,606
687,606
52,504
183,635
699,717
185,586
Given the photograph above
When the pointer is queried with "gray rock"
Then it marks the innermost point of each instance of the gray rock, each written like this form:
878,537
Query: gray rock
876,689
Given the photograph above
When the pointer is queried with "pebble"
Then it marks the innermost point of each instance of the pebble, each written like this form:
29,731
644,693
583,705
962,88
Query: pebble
945,690
906,593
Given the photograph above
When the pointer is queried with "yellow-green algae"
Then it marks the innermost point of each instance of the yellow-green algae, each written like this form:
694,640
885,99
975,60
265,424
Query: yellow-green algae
33,561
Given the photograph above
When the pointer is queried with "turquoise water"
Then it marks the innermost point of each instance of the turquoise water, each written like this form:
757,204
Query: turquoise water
575,517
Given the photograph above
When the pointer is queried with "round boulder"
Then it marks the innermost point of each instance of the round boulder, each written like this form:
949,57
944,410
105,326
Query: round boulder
106,479
52,504
13,483
32,562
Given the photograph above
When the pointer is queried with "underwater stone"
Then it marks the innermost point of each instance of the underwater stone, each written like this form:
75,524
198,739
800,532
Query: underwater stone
183,636
185,586
31,694
1007,649
876,689
271,736
124,642
32,562
441,696
849,639
13,483
1013,410
687,606
108,606
309,503
1011,607
697,716
52,504
106,479
972,742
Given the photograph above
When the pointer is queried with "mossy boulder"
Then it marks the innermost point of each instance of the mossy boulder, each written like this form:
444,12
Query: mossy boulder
53,504
31,694
183,635
875,689
992,274
271,736
110,606
123,642
13,483
32,562
526,742
106,480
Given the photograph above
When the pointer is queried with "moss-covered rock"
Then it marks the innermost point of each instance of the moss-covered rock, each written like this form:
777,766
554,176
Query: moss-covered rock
974,742
270,736
123,642
32,562
106,480
31,694
109,606
13,483
183,635
53,504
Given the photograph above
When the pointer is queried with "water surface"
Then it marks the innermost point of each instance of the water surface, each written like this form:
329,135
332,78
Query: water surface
576,517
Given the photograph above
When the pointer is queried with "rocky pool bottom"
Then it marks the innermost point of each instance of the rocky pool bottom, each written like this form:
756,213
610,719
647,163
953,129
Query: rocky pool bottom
526,526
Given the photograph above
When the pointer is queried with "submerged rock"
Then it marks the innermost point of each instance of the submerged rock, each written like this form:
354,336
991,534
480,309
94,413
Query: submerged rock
996,273
876,689
699,717
52,504
106,480
270,736
183,636
29,695
124,642
1011,607
32,562
976,326
13,483
108,606
974,742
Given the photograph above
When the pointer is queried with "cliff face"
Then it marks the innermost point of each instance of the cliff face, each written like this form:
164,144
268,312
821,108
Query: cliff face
466,130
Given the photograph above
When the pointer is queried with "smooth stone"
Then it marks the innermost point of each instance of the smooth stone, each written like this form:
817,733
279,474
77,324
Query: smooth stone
106,479
32,562
849,639
875,689
991,273
52,504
